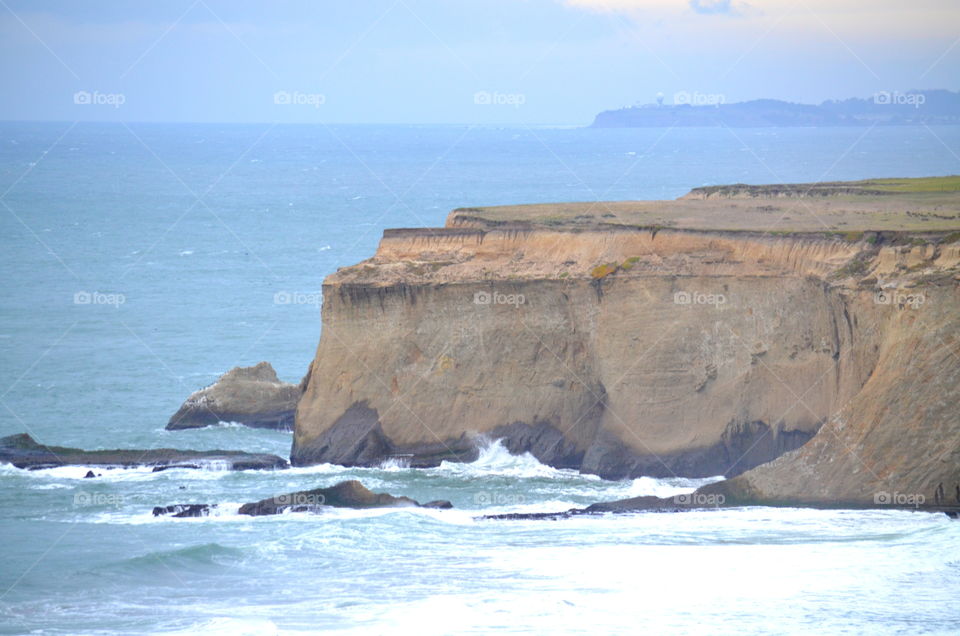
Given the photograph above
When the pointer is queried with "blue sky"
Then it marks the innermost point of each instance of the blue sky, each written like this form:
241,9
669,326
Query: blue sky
455,61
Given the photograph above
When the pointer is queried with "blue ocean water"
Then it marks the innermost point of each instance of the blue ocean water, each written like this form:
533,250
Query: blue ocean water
141,261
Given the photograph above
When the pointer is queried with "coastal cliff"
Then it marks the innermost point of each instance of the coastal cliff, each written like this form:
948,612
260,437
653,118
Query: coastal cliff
596,340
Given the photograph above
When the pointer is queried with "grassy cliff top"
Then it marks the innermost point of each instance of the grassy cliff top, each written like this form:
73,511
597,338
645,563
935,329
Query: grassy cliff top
918,204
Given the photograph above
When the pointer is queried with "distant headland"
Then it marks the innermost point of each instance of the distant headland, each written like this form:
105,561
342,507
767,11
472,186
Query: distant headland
896,108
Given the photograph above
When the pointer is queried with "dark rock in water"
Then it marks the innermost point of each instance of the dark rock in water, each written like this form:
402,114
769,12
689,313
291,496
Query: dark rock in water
182,511
24,452
534,516
252,396
160,469
441,504
542,440
89,475
357,439
678,503
346,494
709,497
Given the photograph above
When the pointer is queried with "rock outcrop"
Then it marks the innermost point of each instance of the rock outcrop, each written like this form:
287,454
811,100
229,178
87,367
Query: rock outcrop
700,501
346,494
184,511
625,350
253,396
24,452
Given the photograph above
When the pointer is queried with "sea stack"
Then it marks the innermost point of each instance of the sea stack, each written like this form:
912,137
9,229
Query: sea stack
252,396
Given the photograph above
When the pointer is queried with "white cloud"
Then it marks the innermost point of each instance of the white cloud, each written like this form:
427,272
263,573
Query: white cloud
892,19
765,6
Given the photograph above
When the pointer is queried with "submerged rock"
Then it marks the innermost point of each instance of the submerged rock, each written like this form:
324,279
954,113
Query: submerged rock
182,511
649,503
441,504
346,494
709,497
252,396
646,503
24,452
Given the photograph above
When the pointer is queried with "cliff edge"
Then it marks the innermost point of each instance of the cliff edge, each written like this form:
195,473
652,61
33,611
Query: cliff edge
709,335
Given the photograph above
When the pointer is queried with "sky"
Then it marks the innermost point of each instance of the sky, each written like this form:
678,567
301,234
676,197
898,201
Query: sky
455,61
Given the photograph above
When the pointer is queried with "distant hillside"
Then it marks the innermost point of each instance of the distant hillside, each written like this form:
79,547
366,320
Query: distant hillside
931,107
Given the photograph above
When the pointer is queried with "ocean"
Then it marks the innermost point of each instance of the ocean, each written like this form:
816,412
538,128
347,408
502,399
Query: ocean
141,261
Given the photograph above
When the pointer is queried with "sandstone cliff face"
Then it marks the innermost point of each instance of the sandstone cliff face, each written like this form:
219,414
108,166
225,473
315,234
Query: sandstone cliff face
617,351
897,441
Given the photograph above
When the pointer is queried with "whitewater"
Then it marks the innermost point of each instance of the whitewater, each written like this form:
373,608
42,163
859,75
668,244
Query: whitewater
444,571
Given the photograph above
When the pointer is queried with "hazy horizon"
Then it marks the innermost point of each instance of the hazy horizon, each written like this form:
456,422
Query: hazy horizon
505,124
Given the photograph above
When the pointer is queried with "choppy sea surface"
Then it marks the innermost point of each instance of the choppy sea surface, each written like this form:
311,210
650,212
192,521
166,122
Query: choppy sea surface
140,261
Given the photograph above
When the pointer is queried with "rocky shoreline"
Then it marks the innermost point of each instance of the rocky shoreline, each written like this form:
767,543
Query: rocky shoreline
345,494
707,499
353,494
